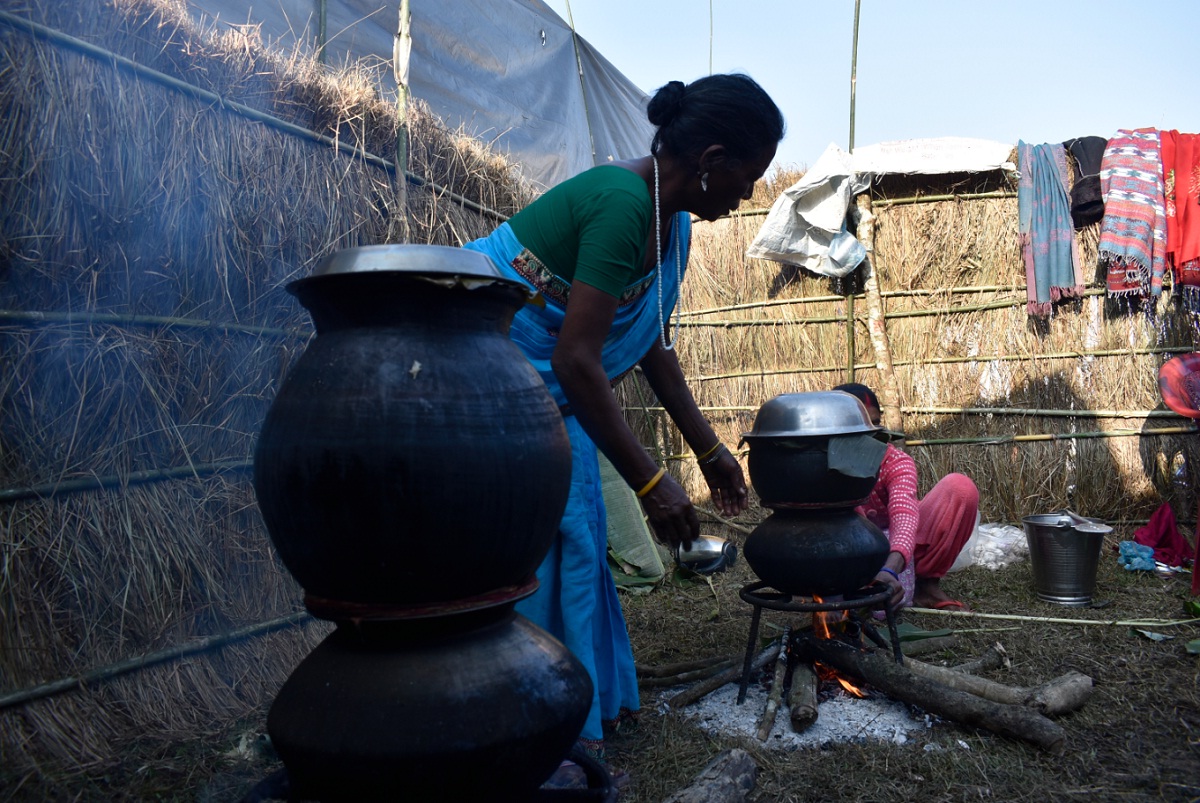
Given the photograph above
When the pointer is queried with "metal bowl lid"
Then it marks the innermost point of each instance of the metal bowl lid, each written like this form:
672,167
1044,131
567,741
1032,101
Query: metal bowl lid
423,260
800,415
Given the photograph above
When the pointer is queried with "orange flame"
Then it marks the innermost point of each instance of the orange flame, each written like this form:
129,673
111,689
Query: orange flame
823,622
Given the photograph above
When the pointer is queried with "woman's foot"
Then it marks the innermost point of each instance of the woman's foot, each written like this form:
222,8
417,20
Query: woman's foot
929,594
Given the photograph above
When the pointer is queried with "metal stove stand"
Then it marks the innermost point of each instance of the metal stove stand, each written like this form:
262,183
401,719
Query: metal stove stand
875,597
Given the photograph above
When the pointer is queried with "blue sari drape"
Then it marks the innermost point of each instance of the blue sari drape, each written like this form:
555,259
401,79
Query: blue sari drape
576,600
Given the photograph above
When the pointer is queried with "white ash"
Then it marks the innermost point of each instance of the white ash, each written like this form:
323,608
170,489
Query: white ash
840,718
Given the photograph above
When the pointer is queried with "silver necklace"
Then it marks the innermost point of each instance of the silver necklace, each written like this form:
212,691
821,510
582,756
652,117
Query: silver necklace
662,324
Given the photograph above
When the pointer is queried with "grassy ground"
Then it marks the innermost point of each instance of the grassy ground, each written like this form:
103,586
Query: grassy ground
1137,738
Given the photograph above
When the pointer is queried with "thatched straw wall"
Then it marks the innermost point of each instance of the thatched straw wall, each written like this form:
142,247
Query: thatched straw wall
150,216
1051,397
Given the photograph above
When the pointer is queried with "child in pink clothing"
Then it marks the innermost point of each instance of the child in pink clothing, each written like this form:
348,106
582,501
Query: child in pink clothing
926,535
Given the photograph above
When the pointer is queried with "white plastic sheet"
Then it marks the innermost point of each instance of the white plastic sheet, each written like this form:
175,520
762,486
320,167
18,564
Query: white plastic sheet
807,223
506,71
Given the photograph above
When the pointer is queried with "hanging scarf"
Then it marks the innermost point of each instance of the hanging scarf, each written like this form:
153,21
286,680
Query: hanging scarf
1087,203
635,327
1134,232
1047,232
1181,185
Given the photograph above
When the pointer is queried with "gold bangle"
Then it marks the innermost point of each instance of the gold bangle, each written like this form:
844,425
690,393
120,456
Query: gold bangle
714,457
716,446
648,487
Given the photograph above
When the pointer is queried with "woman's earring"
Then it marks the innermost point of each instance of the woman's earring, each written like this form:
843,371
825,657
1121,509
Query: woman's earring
704,182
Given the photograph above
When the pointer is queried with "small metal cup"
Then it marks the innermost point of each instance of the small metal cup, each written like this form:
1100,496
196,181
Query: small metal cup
708,555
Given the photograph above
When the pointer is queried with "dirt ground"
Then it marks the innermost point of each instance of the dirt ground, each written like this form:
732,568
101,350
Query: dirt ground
1136,739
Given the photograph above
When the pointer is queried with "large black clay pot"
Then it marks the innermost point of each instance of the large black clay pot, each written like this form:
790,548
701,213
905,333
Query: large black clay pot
483,709
413,455
795,473
820,553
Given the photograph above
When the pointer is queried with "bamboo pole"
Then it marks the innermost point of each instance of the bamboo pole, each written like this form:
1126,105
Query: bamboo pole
401,50
587,116
89,318
952,360
1055,436
1011,617
107,57
1014,411
942,291
147,660
876,321
997,440
854,72
928,199
1005,303
52,489
322,29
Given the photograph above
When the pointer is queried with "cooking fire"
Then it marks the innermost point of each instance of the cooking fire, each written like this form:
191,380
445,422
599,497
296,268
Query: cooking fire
813,458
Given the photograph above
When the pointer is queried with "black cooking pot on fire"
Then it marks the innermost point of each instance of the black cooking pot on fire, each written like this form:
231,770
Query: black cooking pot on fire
813,450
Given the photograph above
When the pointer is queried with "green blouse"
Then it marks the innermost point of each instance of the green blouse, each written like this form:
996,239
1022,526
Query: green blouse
591,228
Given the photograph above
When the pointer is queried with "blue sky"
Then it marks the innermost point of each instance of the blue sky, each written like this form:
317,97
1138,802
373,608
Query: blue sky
1037,70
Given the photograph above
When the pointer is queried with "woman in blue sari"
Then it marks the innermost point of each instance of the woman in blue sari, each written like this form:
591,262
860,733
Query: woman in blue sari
607,250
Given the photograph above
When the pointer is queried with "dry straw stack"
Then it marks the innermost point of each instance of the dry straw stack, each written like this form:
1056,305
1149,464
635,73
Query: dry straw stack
159,189
1053,397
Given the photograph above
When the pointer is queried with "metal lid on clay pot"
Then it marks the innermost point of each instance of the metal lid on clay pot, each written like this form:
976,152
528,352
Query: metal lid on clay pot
801,415
424,260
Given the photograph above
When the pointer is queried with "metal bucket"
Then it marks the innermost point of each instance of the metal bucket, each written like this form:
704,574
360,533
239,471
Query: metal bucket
1065,552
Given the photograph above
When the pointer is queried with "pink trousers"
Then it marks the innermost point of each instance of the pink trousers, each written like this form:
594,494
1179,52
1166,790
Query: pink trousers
946,520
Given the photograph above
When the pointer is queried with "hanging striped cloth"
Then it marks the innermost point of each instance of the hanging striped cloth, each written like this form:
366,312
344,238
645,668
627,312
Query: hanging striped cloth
1133,235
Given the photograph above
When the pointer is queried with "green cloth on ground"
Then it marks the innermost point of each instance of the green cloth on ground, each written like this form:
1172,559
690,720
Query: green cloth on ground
633,553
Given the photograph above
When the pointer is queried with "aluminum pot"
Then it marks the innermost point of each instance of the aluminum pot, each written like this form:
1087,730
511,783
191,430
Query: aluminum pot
804,415
791,464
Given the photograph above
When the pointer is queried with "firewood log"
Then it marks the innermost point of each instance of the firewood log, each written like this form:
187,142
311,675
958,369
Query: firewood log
728,778
802,698
1059,696
880,671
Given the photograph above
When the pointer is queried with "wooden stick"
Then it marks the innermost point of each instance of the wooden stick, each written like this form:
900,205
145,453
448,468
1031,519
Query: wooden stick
655,681
802,698
927,645
668,670
694,693
1013,721
993,657
730,524
776,696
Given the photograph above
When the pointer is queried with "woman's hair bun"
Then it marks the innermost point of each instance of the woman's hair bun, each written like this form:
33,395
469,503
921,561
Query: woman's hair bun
664,106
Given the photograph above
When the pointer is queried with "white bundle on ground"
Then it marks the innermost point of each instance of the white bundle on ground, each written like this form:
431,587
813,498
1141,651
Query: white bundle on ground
993,546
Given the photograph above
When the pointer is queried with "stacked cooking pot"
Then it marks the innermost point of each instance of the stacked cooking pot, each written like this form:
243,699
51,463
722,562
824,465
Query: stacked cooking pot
813,458
411,472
